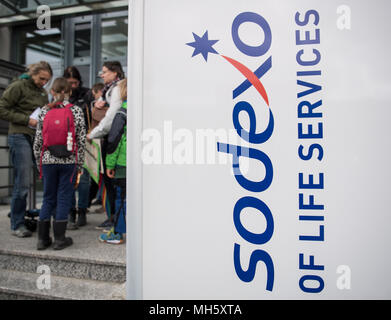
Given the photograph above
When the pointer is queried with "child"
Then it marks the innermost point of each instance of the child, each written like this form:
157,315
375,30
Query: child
58,167
97,90
116,169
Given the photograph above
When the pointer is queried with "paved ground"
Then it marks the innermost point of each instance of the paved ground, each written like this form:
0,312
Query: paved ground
85,241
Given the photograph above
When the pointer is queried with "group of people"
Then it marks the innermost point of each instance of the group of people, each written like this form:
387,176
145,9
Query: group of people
35,137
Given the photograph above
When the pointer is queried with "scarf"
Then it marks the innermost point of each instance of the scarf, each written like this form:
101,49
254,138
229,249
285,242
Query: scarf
108,86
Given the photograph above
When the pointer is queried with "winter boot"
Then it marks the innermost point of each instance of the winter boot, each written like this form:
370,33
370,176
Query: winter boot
60,241
82,217
44,240
72,220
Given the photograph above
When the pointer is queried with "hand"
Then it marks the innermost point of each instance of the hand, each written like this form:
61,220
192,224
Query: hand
110,173
89,138
99,104
33,123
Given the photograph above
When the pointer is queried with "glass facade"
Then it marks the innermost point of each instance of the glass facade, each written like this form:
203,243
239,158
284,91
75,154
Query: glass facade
83,41
12,7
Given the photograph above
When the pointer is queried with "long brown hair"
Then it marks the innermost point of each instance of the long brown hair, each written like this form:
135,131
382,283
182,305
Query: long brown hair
115,66
62,89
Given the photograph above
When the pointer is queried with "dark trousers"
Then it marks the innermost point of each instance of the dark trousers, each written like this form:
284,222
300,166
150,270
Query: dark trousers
109,184
57,191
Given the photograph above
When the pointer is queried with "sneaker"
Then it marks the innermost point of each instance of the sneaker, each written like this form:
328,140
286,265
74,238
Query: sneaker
111,237
100,210
97,202
22,232
107,229
106,224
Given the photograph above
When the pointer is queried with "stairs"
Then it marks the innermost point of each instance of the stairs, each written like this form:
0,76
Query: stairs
87,270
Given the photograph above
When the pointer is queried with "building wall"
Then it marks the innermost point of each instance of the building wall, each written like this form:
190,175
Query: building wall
5,39
5,52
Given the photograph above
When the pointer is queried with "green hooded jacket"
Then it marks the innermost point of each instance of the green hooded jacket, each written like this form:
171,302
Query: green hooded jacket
17,103
117,159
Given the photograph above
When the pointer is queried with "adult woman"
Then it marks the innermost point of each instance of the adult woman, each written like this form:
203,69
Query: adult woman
111,73
18,102
81,97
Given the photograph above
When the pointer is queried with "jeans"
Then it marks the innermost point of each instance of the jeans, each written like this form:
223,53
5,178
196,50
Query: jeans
120,211
22,161
109,184
57,191
83,189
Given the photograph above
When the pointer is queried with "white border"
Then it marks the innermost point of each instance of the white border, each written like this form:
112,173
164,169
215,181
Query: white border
134,218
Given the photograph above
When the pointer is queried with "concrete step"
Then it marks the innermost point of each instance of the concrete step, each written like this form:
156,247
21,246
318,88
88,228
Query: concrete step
87,258
80,271
64,266
16,285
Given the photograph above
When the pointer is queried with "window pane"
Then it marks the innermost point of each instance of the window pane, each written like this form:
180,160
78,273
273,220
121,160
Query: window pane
114,37
82,40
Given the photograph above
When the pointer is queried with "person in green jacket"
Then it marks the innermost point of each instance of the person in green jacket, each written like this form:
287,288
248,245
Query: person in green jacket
17,103
116,169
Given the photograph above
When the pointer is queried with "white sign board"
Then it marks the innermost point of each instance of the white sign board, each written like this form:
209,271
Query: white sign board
265,149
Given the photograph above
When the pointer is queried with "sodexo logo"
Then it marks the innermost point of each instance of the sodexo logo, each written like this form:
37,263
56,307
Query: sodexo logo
203,45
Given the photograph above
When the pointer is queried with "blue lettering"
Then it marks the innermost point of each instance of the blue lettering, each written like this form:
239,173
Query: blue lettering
311,184
311,278
307,38
308,156
259,73
311,205
310,134
256,255
313,88
310,266
308,62
319,237
238,151
307,18
251,136
259,20
310,107
255,238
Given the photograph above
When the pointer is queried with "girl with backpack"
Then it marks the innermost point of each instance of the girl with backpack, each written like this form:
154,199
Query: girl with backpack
59,148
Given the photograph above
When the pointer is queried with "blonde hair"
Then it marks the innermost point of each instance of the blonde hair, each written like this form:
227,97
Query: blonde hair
62,89
34,68
123,89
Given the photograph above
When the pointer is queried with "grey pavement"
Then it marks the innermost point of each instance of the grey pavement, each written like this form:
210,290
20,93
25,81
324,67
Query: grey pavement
86,245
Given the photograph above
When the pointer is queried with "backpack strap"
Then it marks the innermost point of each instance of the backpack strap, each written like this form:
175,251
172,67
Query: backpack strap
69,106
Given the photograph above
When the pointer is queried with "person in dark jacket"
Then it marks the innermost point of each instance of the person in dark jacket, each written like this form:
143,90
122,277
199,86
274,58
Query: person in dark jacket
81,97
18,102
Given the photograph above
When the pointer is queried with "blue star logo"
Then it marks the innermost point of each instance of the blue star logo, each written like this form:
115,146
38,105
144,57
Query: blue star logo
203,45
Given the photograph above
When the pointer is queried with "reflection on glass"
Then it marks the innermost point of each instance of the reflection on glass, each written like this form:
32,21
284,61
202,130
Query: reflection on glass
82,46
36,45
114,37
